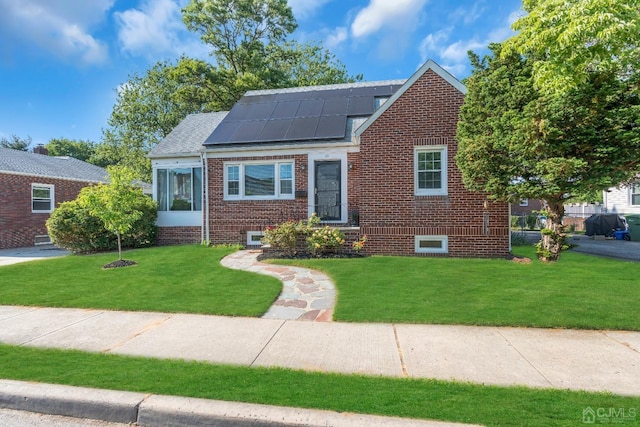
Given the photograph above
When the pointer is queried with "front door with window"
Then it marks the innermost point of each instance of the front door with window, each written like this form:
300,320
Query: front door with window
328,197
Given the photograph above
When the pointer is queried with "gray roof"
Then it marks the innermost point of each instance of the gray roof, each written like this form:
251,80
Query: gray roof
188,137
24,163
313,113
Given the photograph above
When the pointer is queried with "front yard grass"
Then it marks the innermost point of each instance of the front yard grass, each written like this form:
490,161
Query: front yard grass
412,398
579,291
187,279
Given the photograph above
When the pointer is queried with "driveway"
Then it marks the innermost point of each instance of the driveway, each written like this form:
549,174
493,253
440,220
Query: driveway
16,255
619,249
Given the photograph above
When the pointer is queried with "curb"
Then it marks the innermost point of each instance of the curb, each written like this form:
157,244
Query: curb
155,410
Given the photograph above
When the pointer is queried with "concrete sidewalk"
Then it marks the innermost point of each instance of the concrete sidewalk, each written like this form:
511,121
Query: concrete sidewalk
550,358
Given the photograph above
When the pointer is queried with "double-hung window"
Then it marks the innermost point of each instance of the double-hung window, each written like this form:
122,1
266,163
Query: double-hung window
258,180
430,171
179,189
635,194
42,198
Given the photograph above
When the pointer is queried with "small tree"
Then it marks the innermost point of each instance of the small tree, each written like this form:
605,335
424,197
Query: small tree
114,204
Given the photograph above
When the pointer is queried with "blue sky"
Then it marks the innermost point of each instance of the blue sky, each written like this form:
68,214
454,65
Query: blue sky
61,61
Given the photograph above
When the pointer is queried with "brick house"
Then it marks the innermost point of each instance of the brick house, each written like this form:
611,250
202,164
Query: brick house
31,186
374,158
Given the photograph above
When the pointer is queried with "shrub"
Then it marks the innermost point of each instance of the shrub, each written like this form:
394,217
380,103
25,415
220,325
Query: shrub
323,239
72,227
284,237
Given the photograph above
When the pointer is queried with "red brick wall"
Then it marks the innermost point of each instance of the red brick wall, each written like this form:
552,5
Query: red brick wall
390,214
178,235
18,225
229,220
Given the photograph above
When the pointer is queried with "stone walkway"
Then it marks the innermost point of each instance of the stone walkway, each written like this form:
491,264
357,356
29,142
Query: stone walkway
306,294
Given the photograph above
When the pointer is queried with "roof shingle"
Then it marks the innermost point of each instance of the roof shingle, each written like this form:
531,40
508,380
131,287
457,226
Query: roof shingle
189,136
24,163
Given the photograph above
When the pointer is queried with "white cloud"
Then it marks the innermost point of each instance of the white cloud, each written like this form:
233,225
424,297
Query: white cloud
60,28
304,9
453,56
384,13
334,39
156,28
469,16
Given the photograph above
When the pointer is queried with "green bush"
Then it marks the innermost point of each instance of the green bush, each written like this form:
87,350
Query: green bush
325,238
284,237
72,227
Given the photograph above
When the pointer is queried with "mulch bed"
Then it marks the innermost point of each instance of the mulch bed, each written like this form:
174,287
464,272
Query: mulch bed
119,263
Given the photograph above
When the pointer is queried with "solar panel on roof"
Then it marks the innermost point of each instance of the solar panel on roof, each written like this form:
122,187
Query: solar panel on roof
239,112
249,131
303,128
292,96
275,130
257,98
310,107
330,127
334,106
331,93
262,110
223,133
285,109
361,105
298,115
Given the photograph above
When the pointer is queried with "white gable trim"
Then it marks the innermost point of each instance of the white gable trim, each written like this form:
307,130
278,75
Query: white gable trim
429,65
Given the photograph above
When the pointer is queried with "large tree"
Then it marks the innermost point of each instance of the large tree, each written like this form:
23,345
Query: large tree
78,149
519,142
573,38
248,40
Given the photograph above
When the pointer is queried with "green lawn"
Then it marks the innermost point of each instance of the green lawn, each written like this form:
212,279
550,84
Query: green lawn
579,291
186,279
430,399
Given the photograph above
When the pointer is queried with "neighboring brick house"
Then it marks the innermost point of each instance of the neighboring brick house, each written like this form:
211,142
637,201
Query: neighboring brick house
376,158
31,186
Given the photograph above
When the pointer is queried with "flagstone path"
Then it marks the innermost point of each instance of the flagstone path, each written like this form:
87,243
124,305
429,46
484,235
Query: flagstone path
306,294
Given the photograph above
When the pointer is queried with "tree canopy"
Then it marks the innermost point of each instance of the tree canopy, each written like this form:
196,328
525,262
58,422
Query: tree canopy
114,203
518,142
16,143
572,38
78,149
248,41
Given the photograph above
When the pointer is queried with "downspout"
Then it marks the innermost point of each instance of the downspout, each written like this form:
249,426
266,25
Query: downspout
205,196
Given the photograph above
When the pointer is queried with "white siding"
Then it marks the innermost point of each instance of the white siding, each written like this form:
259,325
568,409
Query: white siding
618,200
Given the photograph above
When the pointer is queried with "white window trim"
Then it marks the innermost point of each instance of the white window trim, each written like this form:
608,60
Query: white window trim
51,188
443,250
251,234
342,157
174,165
631,193
443,191
276,196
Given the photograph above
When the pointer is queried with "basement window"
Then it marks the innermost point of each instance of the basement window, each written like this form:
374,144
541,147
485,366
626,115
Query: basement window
432,244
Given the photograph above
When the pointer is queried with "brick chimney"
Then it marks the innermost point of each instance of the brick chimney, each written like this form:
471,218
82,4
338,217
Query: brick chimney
41,149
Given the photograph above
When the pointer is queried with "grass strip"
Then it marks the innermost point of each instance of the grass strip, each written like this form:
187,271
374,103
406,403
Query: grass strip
413,398
184,279
579,291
